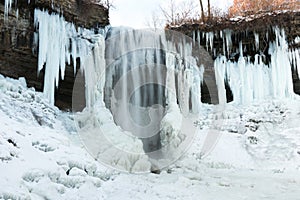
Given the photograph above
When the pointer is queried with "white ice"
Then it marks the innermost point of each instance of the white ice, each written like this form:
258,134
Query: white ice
255,81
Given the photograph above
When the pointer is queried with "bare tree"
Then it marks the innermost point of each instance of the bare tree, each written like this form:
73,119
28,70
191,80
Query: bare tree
155,22
208,9
202,10
178,13
246,7
169,12
108,4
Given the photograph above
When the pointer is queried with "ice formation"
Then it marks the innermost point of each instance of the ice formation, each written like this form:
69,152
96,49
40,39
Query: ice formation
143,82
153,75
295,59
137,75
256,37
228,40
210,40
7,7
253,81
58,41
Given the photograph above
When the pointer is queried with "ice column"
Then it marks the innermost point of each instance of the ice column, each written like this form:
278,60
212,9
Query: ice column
295,59
228,40
196,88
94,71
170,79
220,67
7,7
256,37
282,83
209,40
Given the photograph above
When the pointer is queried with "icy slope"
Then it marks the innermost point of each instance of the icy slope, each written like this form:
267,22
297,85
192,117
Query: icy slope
41,157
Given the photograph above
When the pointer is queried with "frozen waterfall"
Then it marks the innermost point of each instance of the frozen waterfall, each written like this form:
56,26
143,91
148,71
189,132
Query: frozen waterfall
253,81
58,42
141,84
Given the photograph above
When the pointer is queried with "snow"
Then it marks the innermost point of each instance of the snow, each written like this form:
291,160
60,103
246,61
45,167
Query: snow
297,40
42,158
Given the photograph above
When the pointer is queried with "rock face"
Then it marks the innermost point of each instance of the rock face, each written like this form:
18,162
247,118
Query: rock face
17,58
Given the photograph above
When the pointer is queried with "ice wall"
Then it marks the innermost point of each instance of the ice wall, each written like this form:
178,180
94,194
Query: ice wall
58,42
254,80
148,57
148,75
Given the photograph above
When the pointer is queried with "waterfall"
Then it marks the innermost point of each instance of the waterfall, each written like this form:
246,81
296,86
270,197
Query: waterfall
147,74
132,80
142,85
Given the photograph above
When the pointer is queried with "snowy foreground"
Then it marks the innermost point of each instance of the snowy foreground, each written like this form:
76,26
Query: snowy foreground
41,156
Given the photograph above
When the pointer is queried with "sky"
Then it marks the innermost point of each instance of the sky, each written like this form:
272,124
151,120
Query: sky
135,13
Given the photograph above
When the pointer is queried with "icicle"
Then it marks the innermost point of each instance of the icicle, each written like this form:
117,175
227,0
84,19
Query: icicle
297,61
94,66
256,81
17,14
54,48
294,56
228,40
194,36
188,81
7,7
170,79
199,38
209,40
280,66
256,37
196,89
220,67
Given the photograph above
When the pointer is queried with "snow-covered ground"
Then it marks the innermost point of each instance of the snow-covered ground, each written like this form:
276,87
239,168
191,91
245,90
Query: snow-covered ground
41,156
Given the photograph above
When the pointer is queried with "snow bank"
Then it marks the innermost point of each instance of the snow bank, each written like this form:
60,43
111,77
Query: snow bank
41,162
40,157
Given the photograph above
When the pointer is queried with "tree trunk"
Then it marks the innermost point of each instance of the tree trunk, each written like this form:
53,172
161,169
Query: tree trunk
202,10
208,7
